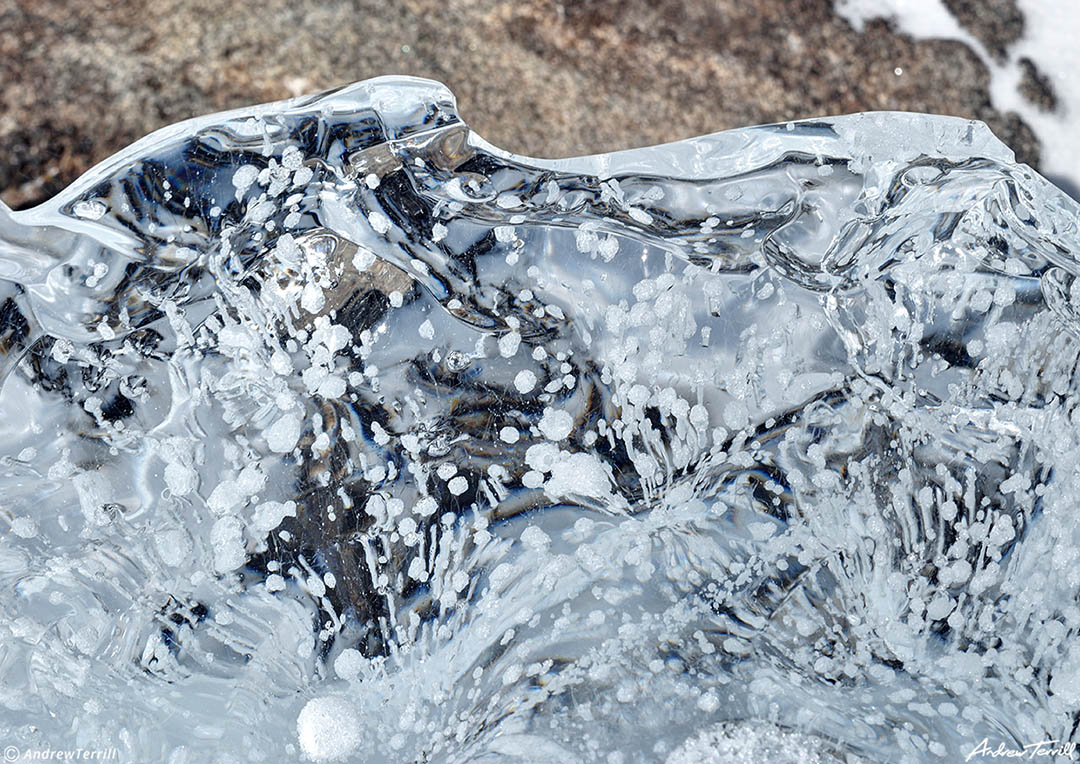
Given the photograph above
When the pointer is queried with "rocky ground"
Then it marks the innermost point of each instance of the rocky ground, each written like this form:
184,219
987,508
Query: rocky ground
80,80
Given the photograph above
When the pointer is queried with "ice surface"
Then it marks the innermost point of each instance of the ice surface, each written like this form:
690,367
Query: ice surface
333,432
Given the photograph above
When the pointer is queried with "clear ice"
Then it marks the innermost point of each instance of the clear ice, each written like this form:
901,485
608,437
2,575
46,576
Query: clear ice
332,432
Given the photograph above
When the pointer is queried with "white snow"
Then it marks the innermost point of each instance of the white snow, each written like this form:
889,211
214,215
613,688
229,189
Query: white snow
736,415
426,506
534,538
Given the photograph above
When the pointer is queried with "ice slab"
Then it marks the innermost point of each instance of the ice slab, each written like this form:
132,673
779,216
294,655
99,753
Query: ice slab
332,431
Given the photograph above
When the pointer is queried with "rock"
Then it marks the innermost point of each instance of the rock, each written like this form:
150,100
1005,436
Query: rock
997,24
80,81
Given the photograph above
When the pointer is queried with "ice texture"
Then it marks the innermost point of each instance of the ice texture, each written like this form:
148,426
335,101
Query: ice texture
332,432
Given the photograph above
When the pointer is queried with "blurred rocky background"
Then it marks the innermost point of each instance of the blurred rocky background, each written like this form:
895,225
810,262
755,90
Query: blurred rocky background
80,80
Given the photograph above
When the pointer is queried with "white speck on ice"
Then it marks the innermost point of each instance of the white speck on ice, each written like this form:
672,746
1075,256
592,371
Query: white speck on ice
227,540
363,259
459,580
736,415
269,515
379,222
417,572
556,424
540,456
180,478
24,527
608,248
281,363
578,474
457,485
426,507
292,158
243,178
328,729
302,176
426,330
94,492
348,664
312,298
708,702
509,343
525,381
1065,684
282,435
89,210
174,546
534,538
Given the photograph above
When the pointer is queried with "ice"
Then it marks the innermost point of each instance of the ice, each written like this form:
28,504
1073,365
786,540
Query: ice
340,434
753,744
